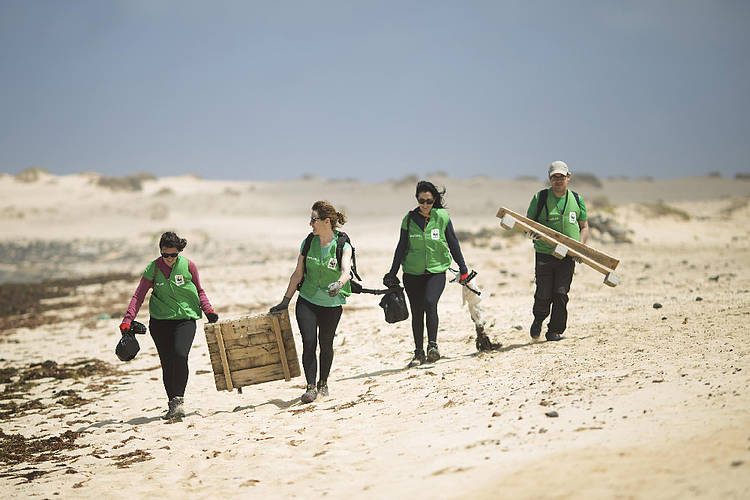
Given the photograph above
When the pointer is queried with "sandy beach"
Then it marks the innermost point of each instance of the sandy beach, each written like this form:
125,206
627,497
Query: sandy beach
647,397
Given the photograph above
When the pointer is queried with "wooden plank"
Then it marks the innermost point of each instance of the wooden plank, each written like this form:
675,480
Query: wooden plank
256,375
280,342
256,339
610,278
601,258
223,355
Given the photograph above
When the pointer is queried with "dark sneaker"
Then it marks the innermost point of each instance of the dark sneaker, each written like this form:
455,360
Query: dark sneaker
176,409
553,336
432,354
310,395
323,389
536,329
418,359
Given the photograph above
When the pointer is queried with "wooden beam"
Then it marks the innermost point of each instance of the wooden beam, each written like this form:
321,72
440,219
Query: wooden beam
282,351
223,354
602,258
509,219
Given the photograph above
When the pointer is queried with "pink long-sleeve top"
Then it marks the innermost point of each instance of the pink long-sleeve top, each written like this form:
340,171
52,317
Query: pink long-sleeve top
145,284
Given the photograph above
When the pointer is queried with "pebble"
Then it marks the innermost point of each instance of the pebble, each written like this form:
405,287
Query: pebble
495,413
698,299
552,414
657,305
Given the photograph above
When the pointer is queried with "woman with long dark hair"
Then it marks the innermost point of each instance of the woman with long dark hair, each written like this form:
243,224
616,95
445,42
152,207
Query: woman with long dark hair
323,289
424,252
177,301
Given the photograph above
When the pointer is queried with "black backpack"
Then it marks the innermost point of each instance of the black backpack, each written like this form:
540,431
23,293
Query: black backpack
342,239
542,202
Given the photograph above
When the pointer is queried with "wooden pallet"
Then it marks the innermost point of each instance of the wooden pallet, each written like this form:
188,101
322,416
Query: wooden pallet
564,245
252,350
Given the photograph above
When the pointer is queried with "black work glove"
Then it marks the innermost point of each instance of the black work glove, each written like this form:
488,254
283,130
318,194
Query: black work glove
281,306
212,317
391,280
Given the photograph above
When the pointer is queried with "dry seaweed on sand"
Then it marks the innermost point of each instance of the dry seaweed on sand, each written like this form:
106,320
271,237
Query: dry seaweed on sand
15,448
127,459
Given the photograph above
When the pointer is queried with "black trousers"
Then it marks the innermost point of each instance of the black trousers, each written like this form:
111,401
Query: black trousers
424,292
173,339
553,278
317,324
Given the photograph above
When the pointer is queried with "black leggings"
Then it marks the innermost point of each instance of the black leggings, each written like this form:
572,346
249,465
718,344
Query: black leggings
317,324
173,339
424,291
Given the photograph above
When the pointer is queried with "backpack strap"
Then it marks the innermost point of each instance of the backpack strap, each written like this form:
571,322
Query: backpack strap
541,203
340,242
305,250
577,197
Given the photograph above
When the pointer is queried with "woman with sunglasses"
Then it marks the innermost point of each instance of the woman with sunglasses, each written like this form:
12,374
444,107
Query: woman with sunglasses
424,252
175,304
323,285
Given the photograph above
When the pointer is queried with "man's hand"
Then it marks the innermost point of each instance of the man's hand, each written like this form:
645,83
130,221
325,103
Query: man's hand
212,316
281,306
462,279
334,288
124,328
533,235
391,281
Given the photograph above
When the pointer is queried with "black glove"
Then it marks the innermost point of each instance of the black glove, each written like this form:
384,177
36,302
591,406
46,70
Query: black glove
391,280
281,306
212,317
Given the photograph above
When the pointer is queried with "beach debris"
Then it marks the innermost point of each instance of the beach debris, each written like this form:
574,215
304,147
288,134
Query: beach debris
657,305
15,448
698,299
471,296
552,414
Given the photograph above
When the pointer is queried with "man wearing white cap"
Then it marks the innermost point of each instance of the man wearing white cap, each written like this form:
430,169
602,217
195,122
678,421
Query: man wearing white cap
564,211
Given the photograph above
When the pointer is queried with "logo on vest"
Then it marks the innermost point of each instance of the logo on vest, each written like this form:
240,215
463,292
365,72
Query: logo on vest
435,234
179,280
332,264
572,217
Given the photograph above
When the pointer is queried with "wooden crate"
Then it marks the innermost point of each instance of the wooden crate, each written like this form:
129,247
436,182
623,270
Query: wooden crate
252,350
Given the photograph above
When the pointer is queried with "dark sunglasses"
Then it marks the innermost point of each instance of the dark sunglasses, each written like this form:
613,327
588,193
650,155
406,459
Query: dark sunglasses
313,219
170,255
422,201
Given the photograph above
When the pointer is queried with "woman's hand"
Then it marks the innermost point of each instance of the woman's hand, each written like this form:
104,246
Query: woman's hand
391,281
281,306
212,316
334,288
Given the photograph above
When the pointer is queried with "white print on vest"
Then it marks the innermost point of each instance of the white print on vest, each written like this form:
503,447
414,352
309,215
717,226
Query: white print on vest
179,280
332,264
572,217
435,235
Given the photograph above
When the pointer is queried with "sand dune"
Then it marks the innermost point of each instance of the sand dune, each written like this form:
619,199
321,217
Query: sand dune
650,402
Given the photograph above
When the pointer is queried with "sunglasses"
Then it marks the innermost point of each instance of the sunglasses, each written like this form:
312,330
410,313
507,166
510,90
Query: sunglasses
423,201
313,219
170,255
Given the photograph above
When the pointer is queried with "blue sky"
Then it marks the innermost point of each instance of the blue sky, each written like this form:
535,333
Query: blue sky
374,90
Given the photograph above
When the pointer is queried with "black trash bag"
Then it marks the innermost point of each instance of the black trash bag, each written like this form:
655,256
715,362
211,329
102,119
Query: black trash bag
394,305
128,345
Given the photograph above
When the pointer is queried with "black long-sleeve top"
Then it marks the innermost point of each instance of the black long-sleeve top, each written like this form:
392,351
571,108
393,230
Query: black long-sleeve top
450,235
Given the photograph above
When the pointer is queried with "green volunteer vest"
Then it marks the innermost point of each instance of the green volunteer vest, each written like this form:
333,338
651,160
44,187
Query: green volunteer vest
175,297
428,250
322,270
561,215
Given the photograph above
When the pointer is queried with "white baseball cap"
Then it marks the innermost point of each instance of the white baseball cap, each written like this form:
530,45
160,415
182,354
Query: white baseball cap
558,167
